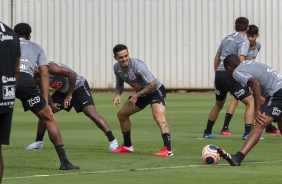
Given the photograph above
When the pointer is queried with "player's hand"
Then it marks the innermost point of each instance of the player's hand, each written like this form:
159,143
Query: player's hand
55,107
260,118
133,100
117,101
67,101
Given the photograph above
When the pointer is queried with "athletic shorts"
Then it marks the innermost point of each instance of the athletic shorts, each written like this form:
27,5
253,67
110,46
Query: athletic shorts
81,98
225,83
28,92
158,96
5,127
273,105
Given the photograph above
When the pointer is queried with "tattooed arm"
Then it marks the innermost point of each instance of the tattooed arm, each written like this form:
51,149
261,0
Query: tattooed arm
119,89
148,89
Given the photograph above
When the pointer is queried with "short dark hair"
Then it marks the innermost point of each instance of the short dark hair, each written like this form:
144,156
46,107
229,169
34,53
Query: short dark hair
23,30
241,24
118,48
253,30
231,60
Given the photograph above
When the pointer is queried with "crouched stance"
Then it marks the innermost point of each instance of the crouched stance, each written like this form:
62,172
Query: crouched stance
148,90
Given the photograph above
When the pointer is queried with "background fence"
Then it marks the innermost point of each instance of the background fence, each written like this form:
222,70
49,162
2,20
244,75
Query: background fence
177,39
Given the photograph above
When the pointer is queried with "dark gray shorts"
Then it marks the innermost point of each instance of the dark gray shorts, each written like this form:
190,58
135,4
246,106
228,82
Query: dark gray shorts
225,83
273,105
28,92
81,98
158,96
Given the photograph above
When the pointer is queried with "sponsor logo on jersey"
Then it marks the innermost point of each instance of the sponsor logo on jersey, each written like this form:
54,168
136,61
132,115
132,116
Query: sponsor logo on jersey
276,111
33,101
56,85
8,92
5,37
131,75
8,79
7,104
239,93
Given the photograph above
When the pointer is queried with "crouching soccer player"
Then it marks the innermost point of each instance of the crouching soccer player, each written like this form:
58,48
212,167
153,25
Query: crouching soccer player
148,90
71,90
263,81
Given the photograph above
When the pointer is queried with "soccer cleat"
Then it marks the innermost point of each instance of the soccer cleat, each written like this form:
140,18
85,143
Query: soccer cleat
35,145
225,132
232,159
164,152
123,149
113,145
245,137
209,136
68,166
273,131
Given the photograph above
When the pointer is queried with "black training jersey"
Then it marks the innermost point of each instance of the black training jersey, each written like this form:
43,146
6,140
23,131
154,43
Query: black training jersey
9,51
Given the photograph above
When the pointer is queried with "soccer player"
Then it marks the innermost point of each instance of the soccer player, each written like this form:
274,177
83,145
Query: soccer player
148,90
252,36
263,81
10,54
27,91
238,44
72,90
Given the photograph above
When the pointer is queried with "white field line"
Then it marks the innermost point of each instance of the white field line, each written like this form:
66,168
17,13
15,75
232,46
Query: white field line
127,170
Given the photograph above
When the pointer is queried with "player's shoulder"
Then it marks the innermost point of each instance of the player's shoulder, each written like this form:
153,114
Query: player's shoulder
31,44
55,63
116,67
116,64
241,38
237,37
136,62
258,45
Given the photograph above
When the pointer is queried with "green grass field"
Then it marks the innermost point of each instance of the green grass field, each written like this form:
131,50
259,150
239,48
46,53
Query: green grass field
87,146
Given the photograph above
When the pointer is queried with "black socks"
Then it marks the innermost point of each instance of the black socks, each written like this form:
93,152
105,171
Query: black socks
227,121
39,136
248,128
127,139
62,154
240,156
110,136
166,139
209,127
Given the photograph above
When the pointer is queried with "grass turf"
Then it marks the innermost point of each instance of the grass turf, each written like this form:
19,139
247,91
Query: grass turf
87,146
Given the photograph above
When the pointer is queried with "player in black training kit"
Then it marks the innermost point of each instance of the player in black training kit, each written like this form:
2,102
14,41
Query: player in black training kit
9,69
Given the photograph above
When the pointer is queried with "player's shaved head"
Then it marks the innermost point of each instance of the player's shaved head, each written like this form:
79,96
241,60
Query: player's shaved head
231,61
23,30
